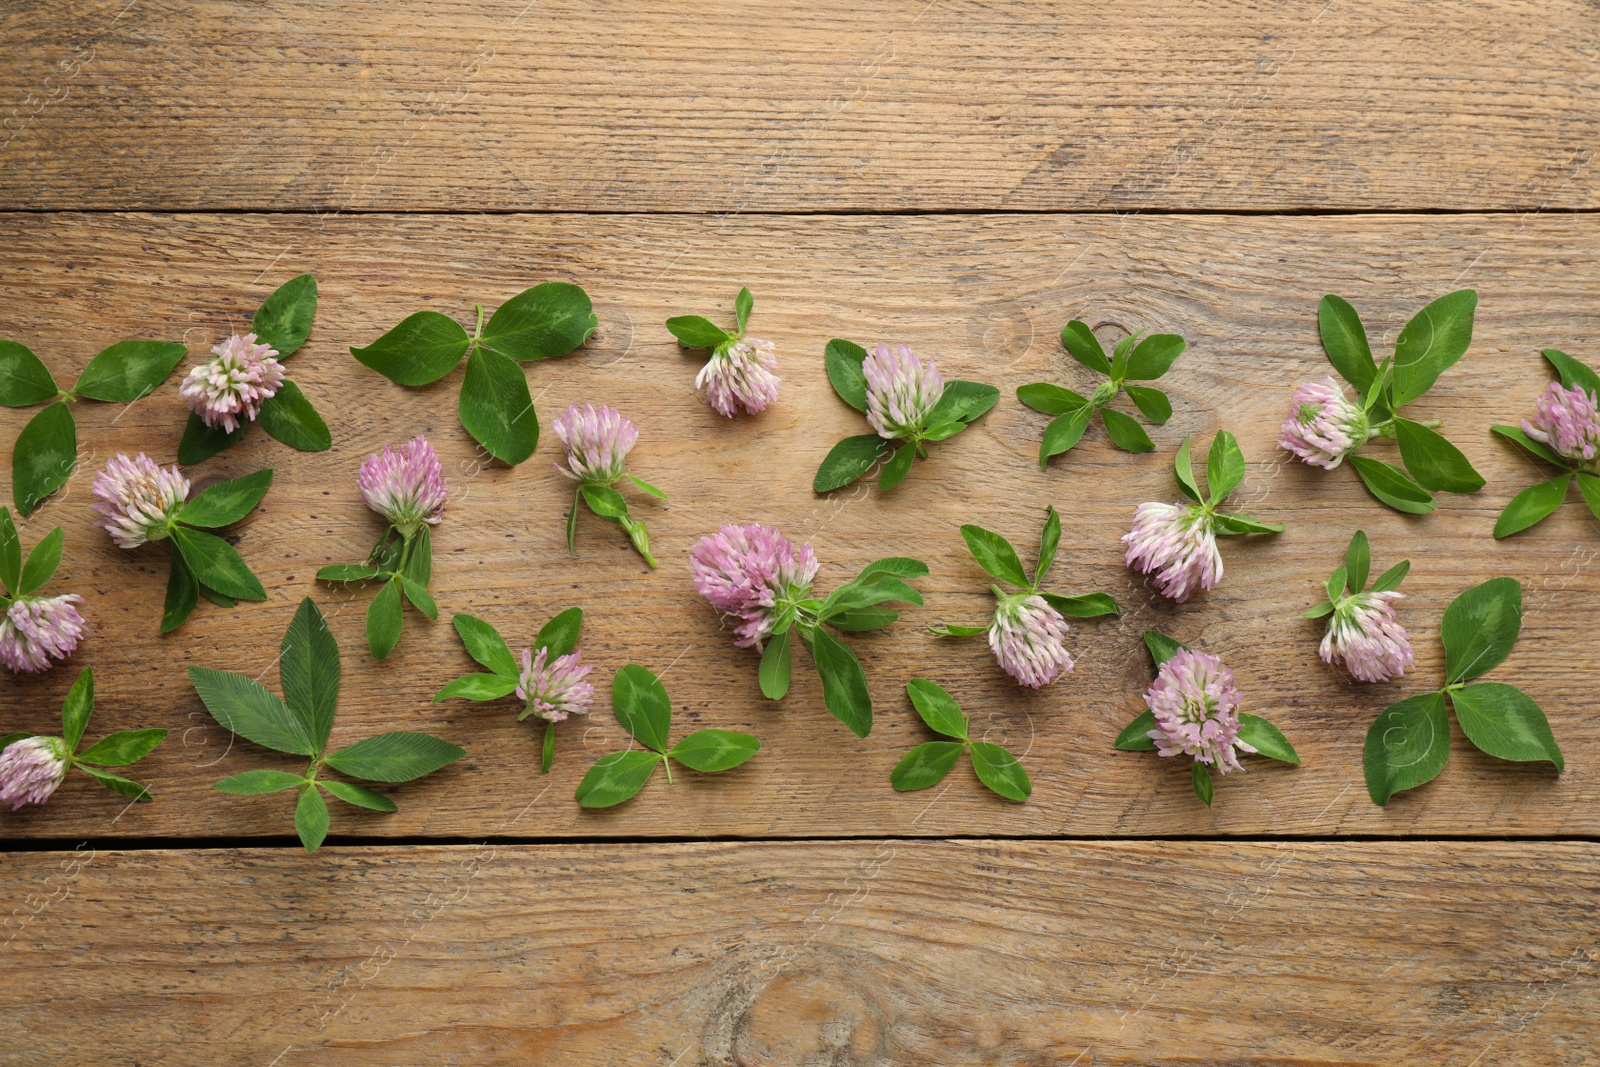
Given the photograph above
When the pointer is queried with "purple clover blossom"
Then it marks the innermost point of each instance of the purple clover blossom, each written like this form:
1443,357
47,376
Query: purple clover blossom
751,574
1365,635
1177,545
741,375
1028,637
1196,709
229,389
1568,421
31,769
35,632
901,391
598,441
554,689
405,485
138,500
1324,426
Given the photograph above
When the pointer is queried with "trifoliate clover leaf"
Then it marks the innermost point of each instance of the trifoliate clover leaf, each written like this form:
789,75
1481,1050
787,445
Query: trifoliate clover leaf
1409,743
301,723
496,408
644,710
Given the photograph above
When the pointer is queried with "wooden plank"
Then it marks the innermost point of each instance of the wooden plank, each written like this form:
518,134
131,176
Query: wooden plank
872,952
893,104
986,295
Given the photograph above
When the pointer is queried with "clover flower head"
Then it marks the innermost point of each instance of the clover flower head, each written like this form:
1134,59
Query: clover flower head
229,389
1028,637
1196,709
902,391
31,769
405,485
554,689
598,441
35,632
749,573
138,500
1568,421
1324,427
741,375
1177,545
1365,635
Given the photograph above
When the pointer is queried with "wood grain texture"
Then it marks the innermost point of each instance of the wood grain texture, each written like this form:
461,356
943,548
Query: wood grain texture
893,104
859,953
986,295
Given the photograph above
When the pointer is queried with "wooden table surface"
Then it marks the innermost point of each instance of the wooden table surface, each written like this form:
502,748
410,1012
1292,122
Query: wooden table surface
964,177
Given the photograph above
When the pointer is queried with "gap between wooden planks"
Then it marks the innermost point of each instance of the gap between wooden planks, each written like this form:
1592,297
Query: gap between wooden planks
883,105
986,295
892,952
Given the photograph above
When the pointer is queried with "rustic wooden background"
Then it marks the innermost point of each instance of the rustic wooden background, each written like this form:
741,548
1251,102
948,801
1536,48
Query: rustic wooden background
960,176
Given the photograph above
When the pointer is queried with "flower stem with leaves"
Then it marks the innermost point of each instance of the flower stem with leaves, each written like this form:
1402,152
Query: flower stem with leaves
281,323
140,502
907,403
551,319
761,582
598,441
404,566
1363,632
741,374
1177,544
1409,742
1564,432
644,710
31,773
550,681
1325,428
853,607
405,486
35,631
1199,716
1133,360
300,724
1028,627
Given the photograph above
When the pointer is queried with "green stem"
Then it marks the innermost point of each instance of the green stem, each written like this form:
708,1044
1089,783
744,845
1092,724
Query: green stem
1005,599
668,764
572,523
405,557
806,623
1388,427
639,537
477,335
